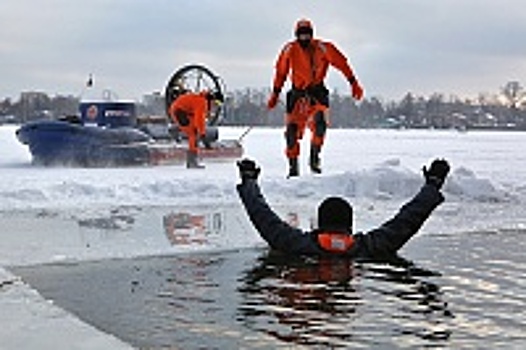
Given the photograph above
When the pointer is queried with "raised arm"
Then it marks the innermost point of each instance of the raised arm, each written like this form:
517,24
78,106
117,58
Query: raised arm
393,234
276,232
337,59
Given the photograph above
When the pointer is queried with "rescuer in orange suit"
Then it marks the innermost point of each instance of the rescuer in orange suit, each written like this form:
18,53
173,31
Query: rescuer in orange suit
309,60
189,112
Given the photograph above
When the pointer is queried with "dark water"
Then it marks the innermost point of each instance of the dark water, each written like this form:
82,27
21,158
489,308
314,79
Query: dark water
462,291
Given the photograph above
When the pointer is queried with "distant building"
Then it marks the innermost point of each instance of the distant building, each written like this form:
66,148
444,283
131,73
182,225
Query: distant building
153,104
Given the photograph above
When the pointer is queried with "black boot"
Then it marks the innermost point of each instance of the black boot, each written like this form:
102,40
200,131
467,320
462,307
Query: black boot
293,167
314,160
191,160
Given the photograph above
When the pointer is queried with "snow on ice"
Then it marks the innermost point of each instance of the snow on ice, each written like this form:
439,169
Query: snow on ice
377,170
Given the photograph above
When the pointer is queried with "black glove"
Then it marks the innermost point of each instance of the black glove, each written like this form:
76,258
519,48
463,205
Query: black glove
248,169
437,173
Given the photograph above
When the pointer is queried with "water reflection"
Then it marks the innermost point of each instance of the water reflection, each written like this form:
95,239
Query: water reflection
336,302
255,299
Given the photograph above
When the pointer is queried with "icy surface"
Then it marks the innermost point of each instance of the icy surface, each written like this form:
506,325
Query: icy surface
53,210
63,214
381,167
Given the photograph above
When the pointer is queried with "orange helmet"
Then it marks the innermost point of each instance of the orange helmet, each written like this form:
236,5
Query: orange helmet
303,26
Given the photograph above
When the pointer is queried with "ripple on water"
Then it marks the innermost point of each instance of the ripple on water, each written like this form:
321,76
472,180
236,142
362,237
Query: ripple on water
462,291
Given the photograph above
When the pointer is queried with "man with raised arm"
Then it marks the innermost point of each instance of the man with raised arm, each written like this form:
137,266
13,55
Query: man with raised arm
334,235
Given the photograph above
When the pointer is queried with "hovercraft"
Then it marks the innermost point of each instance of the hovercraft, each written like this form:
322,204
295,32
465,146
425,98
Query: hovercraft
109,133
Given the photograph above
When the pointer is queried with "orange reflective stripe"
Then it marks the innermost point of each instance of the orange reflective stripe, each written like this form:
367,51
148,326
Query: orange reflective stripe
335,242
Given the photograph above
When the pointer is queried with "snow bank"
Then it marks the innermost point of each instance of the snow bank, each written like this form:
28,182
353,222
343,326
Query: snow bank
465,184
43,188
25,186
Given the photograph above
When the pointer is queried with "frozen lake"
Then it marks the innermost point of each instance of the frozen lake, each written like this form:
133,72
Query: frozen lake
62,223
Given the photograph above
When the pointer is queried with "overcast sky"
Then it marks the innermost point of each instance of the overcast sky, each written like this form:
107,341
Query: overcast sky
461,47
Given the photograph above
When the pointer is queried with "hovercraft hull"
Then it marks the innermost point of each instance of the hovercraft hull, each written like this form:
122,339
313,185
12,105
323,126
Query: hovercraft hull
63,143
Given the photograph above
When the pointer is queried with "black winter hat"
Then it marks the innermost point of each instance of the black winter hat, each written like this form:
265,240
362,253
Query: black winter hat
335,213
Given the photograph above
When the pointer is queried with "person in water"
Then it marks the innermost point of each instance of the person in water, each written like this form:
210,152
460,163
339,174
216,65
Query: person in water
334,235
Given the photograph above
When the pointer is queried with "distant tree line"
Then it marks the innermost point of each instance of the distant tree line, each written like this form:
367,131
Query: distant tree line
503,110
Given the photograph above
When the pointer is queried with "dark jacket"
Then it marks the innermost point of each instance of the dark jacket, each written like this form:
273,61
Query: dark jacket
382,242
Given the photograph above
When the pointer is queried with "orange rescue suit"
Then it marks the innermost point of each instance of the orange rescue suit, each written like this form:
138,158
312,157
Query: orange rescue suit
189,112
309,66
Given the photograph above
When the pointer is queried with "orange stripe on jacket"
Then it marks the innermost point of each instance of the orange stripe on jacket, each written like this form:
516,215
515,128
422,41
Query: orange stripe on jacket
335,242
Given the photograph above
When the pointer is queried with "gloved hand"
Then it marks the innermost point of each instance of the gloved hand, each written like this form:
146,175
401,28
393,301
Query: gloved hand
248,169
357,90
437,173
272,101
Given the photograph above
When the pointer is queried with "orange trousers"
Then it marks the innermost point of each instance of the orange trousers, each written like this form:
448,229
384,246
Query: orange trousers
305,115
